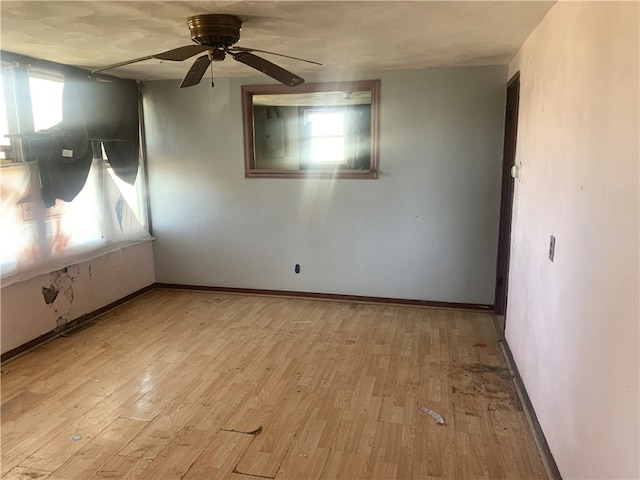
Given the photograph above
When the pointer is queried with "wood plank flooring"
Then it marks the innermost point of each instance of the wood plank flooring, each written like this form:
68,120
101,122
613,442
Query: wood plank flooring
197,385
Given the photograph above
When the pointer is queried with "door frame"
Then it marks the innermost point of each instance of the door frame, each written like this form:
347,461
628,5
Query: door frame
507,193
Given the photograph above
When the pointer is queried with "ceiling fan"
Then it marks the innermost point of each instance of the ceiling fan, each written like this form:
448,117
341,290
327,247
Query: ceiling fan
216,34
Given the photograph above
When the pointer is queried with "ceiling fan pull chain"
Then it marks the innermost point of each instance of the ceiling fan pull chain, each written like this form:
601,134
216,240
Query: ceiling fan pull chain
210,54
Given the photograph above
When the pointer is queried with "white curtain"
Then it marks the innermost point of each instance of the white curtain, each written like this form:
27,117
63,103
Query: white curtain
35,239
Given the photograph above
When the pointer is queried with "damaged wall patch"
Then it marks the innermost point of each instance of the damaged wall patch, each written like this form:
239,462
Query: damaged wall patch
50,294
61,282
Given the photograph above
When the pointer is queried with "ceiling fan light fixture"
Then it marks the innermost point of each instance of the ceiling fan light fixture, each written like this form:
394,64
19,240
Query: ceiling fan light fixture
217,55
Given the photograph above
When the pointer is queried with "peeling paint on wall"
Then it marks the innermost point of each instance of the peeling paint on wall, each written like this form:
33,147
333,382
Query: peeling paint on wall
61,320
49,294
26,316
61,282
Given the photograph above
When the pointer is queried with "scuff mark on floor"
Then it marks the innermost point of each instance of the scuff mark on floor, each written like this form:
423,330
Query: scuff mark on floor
480,368
255,432
493,383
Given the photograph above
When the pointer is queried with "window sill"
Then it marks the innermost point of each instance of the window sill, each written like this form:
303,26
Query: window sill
330,174
77,255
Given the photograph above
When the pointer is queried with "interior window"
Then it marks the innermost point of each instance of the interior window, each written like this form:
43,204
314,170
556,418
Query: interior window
317,130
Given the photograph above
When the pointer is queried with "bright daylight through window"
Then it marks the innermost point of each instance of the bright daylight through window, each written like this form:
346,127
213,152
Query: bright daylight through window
46,101
327,136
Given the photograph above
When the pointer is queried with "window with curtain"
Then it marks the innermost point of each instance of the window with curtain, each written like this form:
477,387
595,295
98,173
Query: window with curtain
70,181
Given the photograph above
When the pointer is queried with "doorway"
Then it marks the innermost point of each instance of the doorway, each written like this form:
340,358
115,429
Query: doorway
506,198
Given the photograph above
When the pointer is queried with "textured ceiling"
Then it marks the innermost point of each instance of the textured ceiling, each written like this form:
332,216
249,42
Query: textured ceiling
358,35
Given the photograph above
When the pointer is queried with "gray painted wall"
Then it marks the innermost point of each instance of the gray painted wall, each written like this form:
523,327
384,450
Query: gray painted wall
426,229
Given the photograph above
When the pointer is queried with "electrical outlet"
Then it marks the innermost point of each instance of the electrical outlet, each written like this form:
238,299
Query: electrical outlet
297,268
552,247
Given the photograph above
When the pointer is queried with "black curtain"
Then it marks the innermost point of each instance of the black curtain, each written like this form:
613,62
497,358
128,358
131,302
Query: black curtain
114,121
93,111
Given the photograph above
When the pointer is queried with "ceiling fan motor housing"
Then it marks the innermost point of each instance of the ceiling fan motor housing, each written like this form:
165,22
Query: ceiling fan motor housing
215,30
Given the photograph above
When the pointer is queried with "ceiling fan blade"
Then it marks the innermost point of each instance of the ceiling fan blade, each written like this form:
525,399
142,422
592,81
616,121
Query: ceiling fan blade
268,68
247,49
121,64
181,53
196,72
176,55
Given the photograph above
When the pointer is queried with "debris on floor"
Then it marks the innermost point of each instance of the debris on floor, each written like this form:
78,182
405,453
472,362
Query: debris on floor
255,432
481,345
75,438
341,341
436,416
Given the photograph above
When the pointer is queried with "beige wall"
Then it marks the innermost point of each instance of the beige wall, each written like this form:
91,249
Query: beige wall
572,325
83,288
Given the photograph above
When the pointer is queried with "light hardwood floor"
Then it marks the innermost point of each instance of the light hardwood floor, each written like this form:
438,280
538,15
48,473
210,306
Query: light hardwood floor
196,385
